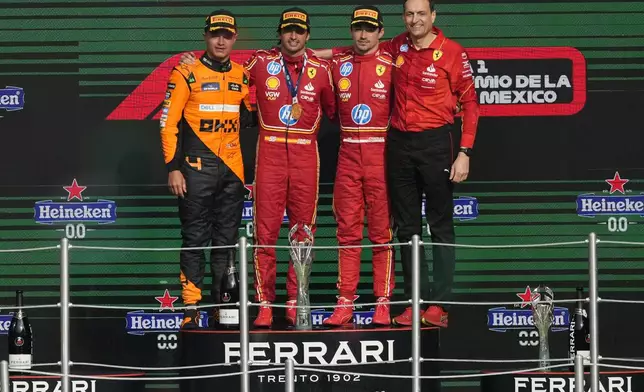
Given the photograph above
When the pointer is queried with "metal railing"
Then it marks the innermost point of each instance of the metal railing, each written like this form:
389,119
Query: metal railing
289,366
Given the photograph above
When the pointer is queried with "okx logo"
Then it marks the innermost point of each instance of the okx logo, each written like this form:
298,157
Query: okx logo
614,202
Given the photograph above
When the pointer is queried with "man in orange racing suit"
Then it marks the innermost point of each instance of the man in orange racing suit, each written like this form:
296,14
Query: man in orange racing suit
200,138
293,86
362,78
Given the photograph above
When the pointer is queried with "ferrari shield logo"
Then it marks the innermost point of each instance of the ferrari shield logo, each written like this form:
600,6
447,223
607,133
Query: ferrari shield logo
380,69
311,72
437,54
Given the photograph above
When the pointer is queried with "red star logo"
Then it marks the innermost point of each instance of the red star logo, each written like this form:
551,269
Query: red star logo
74,191
617,184
527,296
249,188
167,301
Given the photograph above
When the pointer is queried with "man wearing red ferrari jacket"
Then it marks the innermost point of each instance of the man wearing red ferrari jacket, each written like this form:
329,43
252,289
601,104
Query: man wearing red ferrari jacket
293,87
432,77
432,70
362,78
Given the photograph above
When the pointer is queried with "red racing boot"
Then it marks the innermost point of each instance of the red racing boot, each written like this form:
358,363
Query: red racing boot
342,314
264,317
381,316
405,318
435,316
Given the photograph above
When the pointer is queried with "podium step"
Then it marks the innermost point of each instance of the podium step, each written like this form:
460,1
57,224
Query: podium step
333,351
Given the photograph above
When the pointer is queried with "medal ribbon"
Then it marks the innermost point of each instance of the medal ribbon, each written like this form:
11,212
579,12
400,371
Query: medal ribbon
289,81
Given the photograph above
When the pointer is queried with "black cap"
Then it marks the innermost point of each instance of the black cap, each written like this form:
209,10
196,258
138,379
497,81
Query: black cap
221,19
295,17
367,14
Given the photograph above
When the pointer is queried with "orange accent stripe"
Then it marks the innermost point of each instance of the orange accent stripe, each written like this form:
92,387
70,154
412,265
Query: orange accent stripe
389,266
251,64
278,139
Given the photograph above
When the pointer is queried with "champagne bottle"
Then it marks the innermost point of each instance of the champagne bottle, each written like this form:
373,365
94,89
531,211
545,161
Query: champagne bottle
229,294
20,338
579,330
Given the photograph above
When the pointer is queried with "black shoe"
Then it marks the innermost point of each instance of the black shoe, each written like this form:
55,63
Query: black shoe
191,319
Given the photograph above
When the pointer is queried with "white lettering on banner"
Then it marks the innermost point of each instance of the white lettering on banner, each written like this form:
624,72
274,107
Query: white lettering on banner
309,378
518,89
263,353
44,386
9,100
567,384
4,326
515,319
514,97
139,322
603,205
83,212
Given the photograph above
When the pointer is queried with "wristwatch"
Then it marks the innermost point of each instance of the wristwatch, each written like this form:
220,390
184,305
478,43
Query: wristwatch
466,150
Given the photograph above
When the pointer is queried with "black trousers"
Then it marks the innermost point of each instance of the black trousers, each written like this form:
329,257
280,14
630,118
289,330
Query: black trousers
210,214
417,163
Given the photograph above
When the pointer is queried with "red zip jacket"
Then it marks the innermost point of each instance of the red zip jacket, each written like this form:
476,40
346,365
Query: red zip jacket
363,89
428,83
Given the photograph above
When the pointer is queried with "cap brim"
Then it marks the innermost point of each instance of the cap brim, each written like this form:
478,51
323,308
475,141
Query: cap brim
215,28
368,21
302,25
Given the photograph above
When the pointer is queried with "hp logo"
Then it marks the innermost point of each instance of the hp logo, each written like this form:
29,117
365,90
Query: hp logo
361,114
274,68
346,69
285,116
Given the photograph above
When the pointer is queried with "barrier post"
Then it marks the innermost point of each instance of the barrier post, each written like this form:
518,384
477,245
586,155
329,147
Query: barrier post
593,316
243,314
4,376
415,310
290,375
64,315
579,373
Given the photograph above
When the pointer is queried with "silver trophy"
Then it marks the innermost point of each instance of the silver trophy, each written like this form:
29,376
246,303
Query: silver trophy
302,262
543,317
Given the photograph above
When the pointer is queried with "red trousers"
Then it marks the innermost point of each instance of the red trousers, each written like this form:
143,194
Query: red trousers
286,178
360,189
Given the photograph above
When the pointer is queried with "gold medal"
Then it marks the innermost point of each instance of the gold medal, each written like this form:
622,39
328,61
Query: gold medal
296,111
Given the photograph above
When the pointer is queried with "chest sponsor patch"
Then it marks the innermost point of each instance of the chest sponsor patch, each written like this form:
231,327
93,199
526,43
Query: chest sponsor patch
210,86
234,87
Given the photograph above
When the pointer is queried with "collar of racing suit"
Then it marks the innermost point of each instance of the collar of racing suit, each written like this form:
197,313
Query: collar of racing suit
366,57
215,65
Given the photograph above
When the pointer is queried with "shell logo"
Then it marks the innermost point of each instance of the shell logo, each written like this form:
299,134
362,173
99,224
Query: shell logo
272,83
344,84
400,60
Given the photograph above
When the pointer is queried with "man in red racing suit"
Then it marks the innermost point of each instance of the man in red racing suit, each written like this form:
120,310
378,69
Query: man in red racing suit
362,78
293,86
